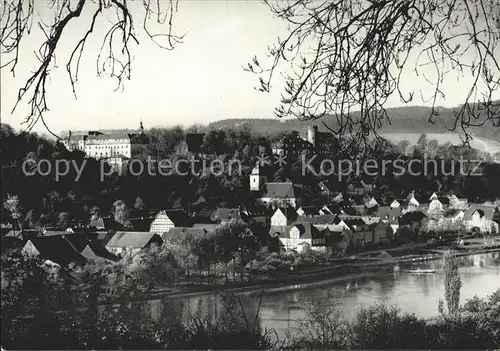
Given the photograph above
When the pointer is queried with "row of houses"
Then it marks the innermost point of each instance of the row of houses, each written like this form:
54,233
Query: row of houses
322,230
104,239
347,221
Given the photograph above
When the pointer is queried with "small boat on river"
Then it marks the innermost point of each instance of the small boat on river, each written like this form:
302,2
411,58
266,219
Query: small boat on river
422,271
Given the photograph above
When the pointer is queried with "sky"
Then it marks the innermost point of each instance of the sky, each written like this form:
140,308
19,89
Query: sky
200,81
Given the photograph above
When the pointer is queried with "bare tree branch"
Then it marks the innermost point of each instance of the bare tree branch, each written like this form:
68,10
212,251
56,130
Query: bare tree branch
114,59
343,56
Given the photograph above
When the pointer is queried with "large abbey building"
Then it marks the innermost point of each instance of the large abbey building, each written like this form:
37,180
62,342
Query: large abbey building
115,147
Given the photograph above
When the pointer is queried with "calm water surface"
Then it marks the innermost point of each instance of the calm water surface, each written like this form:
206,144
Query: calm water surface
412,293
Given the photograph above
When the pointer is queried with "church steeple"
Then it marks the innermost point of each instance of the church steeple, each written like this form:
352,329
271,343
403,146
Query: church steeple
141,127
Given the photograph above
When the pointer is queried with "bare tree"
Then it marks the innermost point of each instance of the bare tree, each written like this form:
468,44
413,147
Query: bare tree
114,59
349,55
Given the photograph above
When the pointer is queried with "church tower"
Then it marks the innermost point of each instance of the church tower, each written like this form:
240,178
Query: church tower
312,131
256,180
141,128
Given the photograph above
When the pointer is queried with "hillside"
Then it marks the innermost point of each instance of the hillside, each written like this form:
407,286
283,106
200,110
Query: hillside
403,120
481,144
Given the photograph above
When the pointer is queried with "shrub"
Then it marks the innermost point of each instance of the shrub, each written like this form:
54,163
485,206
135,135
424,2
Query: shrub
381,326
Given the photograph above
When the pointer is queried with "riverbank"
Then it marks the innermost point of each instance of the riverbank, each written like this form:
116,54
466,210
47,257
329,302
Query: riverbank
308,278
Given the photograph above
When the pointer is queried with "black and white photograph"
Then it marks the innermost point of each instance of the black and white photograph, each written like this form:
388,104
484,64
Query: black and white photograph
250,174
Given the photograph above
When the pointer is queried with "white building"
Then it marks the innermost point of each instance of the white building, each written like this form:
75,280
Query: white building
301,237
395,204
482,218
257,180
117,148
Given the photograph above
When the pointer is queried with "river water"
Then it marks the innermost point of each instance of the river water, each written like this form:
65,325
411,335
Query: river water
417,294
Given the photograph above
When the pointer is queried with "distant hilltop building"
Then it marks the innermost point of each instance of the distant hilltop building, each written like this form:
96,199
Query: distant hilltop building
313,142
116,147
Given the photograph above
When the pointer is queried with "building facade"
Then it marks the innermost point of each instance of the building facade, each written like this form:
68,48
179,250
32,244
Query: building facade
117,148
313,142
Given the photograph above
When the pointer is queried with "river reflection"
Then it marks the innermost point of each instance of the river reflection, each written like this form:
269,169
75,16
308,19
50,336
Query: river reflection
412,293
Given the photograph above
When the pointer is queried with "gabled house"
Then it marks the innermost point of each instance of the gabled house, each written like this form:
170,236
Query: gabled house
281,193
390,217
354,223
55,248
454,215
412,204
308,211
88,242
481,218
98,253
440,195
438,203
132,242
370,220
283,216
371,206
302,236
167,219
395,204
338,226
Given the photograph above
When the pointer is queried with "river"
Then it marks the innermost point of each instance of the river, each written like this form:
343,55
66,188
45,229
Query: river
417,294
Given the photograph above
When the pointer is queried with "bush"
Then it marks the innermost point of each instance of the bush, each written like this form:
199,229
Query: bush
381,326
465,331
323,327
